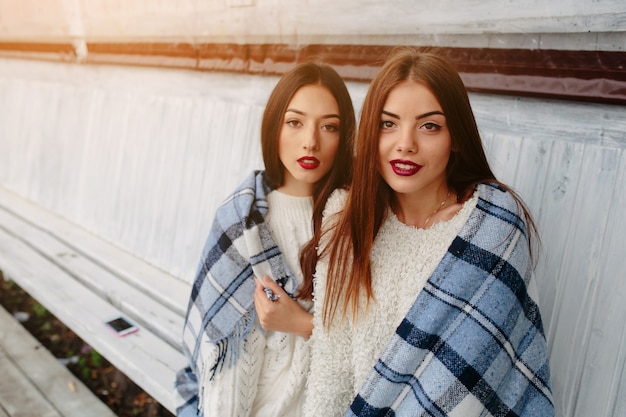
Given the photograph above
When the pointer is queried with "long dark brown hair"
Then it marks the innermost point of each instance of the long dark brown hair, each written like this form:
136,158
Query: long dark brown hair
341,172
369,196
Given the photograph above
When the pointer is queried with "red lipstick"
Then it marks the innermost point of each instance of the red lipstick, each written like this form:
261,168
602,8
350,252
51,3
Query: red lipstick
404,168
309,162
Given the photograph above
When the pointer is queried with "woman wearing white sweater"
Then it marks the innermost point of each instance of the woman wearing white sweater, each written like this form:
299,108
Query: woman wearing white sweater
237,365
425,301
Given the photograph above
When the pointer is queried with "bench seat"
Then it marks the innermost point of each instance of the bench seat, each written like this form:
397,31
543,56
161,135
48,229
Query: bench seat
35,383
83,280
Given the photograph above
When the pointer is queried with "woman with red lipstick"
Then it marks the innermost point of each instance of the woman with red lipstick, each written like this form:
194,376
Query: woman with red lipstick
248,321
425,301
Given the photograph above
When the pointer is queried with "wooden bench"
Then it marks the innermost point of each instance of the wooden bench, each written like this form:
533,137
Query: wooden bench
35,383
83,280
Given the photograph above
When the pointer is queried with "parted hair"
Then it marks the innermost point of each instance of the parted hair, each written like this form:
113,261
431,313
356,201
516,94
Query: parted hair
370,196
309,73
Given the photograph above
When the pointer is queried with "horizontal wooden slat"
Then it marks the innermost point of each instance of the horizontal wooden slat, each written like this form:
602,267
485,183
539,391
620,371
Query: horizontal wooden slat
596,76
17,395
79,243
135,303
35,383
143,356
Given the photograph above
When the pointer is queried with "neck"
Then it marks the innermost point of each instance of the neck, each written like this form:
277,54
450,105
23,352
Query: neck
421,211
296,189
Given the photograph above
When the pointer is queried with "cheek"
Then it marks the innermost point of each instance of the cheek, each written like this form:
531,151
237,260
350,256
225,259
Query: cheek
330,147
438,150
333,149
385,147
284,148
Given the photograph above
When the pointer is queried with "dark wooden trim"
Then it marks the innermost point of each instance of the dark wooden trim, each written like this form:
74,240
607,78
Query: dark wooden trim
39,50
596,76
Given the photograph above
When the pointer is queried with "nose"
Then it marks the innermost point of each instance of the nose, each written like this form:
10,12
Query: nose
311,139
407,141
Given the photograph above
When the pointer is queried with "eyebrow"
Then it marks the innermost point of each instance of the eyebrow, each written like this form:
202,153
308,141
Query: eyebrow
421,116
325,116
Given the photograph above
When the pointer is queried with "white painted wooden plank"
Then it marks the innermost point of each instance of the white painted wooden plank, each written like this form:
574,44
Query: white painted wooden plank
39,120
195,209
532,167
555,223
605,358
17,394
620,392
172,144
157,284
580,264
138,305
142,356
71,128
44,374
592,124
503,157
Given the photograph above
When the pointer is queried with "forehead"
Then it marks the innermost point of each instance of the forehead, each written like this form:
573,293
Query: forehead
314,99
411,97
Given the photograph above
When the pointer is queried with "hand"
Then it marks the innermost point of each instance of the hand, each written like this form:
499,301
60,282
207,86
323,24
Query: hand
284,314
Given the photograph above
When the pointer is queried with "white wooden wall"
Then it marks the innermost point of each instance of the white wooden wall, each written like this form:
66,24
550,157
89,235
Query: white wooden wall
568,161
142,157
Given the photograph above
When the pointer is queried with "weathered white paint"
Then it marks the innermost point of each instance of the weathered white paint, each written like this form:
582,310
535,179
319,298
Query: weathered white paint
58,264
142,157
576,24
568,162
35,383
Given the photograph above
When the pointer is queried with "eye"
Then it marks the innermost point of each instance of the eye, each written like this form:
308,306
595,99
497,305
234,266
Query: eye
386,124
431,127
330,128
294,123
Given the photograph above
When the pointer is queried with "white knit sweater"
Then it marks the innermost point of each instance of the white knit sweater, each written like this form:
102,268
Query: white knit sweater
268,379
403,258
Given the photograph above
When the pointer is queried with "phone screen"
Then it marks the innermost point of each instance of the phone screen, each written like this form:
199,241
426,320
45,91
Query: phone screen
119,324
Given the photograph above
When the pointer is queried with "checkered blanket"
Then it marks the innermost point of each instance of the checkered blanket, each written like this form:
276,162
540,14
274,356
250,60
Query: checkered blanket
473,343
239,246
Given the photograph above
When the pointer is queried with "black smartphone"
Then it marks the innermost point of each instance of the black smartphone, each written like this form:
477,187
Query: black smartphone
121,326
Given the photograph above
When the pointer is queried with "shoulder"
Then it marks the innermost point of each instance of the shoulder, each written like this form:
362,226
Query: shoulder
254,187
335,203
504,209
495,198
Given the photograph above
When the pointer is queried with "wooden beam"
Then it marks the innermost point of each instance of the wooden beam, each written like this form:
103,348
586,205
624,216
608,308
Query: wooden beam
596,76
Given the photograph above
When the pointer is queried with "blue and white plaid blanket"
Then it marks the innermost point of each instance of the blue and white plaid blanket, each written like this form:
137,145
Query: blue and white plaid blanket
239,246
473,343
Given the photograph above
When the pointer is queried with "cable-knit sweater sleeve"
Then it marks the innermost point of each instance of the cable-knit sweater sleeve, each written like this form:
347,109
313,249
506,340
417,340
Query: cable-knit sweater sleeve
330,386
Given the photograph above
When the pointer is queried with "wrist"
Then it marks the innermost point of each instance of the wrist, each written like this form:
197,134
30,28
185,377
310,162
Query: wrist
306,325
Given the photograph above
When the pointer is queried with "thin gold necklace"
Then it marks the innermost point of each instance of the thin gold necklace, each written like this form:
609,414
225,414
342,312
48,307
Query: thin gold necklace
436,210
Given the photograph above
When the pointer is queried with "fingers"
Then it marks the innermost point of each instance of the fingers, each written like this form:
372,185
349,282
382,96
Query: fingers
267,292
286,315
272,290
271,284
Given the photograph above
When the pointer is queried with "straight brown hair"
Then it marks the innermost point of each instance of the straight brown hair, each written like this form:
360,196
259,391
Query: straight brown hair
370,196
309,73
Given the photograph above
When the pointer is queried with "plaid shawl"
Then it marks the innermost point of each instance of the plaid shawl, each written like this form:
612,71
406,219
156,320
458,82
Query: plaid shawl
472,344
239,246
